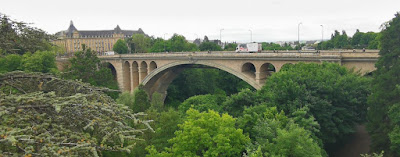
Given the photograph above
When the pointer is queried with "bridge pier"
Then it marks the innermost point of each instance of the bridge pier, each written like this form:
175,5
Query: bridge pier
261,77
142,71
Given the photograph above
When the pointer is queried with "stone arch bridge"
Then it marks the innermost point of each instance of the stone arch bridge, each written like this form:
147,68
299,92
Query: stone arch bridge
157,70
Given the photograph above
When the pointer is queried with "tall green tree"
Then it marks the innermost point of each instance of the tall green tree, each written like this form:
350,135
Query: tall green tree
18,37
120,47
86,66
141,43
158,45
383,113
178,43
138,101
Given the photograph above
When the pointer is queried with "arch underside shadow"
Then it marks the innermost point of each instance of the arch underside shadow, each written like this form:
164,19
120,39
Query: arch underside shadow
159,79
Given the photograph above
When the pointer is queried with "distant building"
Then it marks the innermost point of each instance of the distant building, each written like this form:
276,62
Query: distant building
98,40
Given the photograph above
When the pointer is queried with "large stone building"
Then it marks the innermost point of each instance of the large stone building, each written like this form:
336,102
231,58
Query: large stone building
98,40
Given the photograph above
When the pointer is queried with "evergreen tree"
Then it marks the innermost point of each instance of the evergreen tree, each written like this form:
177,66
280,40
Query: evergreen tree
384,103
42,115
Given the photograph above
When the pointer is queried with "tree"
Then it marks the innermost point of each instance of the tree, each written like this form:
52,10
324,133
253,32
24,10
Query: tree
141,43
41,61
11,62
141,100
205,39
335,96
277,135
209,46
206,134
86,66
236,103
203,103
18,38
120,47
383,121
138,101
178,43
48,116
158,45
230,47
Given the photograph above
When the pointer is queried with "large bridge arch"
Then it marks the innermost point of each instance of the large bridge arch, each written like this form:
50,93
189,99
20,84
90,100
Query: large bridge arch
160,78
113,69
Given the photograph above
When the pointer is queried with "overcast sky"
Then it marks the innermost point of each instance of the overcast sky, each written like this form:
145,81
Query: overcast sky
268,20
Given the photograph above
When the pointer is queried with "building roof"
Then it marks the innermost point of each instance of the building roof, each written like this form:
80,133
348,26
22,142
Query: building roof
94,33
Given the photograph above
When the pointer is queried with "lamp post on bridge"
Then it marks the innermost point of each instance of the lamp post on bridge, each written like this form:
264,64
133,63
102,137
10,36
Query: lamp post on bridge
164,42
298,33
322,38
251,36
220,36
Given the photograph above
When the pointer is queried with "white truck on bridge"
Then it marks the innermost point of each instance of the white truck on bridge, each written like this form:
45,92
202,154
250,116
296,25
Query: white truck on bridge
249,48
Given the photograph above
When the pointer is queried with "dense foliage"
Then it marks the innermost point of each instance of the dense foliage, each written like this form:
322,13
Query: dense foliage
42,115
86,66
230,47
206,134
335,96
384,103
277,135
209,46
273,46
18,37
138,101
369,40
40,61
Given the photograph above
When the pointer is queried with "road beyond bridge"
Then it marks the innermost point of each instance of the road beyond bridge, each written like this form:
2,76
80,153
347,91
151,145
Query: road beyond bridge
157,70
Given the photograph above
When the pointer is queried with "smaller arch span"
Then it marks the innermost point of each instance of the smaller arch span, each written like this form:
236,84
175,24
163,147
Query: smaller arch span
266,70
142,70
112,68
249,70
127,76
153,65
135,75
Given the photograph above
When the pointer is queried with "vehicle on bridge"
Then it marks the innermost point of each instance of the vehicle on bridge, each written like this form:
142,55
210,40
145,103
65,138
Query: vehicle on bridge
248,48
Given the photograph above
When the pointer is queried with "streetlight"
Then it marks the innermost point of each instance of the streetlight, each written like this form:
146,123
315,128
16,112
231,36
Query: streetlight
164,42
322,38
251,36
220,37
298,33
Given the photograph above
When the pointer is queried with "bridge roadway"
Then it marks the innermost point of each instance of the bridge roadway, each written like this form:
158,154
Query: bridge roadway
157,70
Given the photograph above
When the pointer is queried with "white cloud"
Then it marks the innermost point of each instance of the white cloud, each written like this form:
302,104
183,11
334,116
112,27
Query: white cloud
271,20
